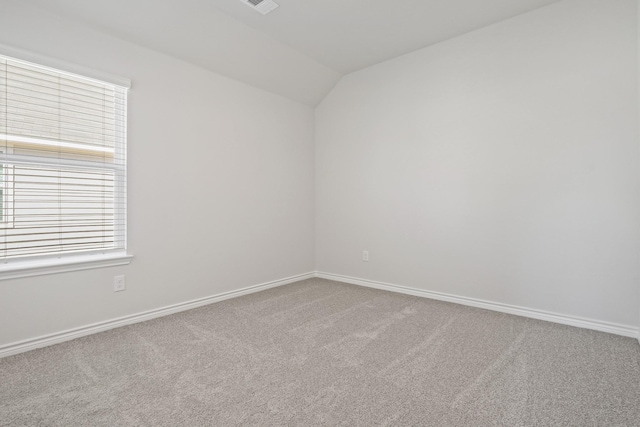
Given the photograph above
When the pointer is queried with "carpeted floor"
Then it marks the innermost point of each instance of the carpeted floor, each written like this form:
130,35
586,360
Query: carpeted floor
324,353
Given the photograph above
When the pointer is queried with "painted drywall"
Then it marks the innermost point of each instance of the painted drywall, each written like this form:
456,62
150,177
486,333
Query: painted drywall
501,165
220,190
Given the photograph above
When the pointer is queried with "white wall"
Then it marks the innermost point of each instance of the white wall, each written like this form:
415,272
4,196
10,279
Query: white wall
500,165
220,185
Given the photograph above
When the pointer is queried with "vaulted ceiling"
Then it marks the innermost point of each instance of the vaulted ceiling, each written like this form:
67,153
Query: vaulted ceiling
302,48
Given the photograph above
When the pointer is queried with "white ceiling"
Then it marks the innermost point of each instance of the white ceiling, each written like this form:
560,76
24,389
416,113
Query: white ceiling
301,49
348,35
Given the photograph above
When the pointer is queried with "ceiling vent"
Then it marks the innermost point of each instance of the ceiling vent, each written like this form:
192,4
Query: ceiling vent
262,6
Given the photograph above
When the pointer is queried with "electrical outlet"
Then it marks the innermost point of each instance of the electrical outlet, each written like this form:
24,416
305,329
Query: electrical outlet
119,284
365,256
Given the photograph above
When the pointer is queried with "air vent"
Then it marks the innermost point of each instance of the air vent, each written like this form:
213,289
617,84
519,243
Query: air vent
262,6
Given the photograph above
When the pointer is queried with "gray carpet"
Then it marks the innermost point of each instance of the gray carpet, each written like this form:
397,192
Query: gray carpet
324,353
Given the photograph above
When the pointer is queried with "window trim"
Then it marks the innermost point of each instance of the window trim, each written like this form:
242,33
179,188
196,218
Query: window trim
29,268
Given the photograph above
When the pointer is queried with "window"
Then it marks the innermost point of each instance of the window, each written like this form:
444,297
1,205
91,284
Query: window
62,164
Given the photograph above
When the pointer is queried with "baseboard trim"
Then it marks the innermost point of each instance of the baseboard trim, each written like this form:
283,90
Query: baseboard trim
596,325
68,335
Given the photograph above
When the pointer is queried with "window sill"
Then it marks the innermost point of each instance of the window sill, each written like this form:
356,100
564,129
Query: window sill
62,265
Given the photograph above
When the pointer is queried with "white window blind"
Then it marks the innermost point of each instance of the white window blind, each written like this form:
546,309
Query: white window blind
62,163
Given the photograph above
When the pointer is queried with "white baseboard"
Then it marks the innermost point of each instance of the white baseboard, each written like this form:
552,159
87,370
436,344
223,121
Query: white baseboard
612,328
56,338
59,337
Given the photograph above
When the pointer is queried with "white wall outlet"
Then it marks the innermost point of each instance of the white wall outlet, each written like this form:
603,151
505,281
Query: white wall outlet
365,256
119,284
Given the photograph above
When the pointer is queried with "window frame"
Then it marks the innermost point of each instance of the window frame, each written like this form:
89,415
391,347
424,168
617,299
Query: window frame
59,263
